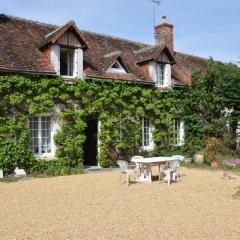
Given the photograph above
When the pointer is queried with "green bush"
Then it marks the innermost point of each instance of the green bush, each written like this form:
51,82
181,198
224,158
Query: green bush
15,154
55,167
214,149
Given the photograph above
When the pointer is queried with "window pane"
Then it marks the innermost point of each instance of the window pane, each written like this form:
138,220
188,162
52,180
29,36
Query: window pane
33,123
66,61
46,135
70,64
63,62
160,75
176,128
146,134
40,134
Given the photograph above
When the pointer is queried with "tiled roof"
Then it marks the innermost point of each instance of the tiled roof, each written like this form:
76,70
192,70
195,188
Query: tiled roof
19,44
185,65
20,41
152,53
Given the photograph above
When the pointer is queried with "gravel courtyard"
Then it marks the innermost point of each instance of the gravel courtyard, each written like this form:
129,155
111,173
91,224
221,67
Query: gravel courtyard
94,206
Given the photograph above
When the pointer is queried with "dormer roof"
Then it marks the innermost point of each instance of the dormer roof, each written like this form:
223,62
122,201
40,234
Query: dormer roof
70,30
159,53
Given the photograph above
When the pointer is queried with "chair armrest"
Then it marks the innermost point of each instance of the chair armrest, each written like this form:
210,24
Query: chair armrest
131,165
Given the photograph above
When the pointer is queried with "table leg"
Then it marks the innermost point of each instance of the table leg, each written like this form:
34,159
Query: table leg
141,177
149,173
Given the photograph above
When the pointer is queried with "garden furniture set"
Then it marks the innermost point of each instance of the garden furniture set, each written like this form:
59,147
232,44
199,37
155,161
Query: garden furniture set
168,168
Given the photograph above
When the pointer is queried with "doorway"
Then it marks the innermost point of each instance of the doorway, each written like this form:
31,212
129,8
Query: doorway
90,146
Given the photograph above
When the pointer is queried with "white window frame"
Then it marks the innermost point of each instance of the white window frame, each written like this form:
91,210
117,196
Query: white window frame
77,61
116,70
150,145
53,130
179,132
154,73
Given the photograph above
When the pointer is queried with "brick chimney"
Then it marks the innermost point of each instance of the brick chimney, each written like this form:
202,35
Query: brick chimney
164,34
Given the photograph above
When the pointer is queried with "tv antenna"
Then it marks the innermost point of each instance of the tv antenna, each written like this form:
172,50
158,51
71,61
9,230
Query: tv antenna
155,3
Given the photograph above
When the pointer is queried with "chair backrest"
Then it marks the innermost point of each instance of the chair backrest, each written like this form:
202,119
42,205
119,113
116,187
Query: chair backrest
174,165
135,158
179,157
123,165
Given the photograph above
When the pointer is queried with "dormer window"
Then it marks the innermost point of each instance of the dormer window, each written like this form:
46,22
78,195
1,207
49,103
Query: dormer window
161,74
66,62
67,46
116,67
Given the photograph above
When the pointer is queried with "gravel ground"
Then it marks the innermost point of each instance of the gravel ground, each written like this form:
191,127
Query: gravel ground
95,206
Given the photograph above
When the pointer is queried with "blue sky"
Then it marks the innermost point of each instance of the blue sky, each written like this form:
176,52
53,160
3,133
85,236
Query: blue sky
205,28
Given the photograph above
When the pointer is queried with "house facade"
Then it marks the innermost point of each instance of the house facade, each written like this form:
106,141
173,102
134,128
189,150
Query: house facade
33,48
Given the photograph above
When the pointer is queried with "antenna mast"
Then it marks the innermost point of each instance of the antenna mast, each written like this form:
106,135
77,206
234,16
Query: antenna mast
155,3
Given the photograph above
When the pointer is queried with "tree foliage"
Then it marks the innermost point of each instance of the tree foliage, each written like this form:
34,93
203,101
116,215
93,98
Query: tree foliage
211,105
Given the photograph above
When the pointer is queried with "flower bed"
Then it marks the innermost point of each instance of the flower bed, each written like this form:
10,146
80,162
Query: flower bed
232,162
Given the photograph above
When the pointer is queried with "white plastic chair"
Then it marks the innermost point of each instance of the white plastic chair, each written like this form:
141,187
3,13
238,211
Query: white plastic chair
170,171
137,165
125,171
180,158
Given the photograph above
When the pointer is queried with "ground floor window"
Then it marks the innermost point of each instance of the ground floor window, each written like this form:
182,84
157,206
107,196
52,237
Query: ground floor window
41,135
178,128
147,142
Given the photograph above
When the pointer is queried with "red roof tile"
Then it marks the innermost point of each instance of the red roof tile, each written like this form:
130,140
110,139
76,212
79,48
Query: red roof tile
20,40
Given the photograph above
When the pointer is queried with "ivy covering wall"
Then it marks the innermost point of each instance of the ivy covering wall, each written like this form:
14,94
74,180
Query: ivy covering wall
119,106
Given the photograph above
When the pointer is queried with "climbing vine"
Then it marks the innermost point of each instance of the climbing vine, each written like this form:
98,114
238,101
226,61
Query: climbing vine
118,105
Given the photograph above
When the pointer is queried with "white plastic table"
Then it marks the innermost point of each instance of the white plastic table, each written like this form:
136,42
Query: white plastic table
147,163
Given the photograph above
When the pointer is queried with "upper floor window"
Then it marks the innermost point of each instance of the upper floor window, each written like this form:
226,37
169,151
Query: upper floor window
116,67
160,75
66,62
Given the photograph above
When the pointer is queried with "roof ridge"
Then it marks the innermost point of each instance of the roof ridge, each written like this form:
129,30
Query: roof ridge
83,30
58,28
30,21
191,55
115,37
145,49
111,54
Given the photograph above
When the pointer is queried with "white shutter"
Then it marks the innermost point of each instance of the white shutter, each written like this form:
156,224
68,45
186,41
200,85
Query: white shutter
78,60
153,71
55,58
167,75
